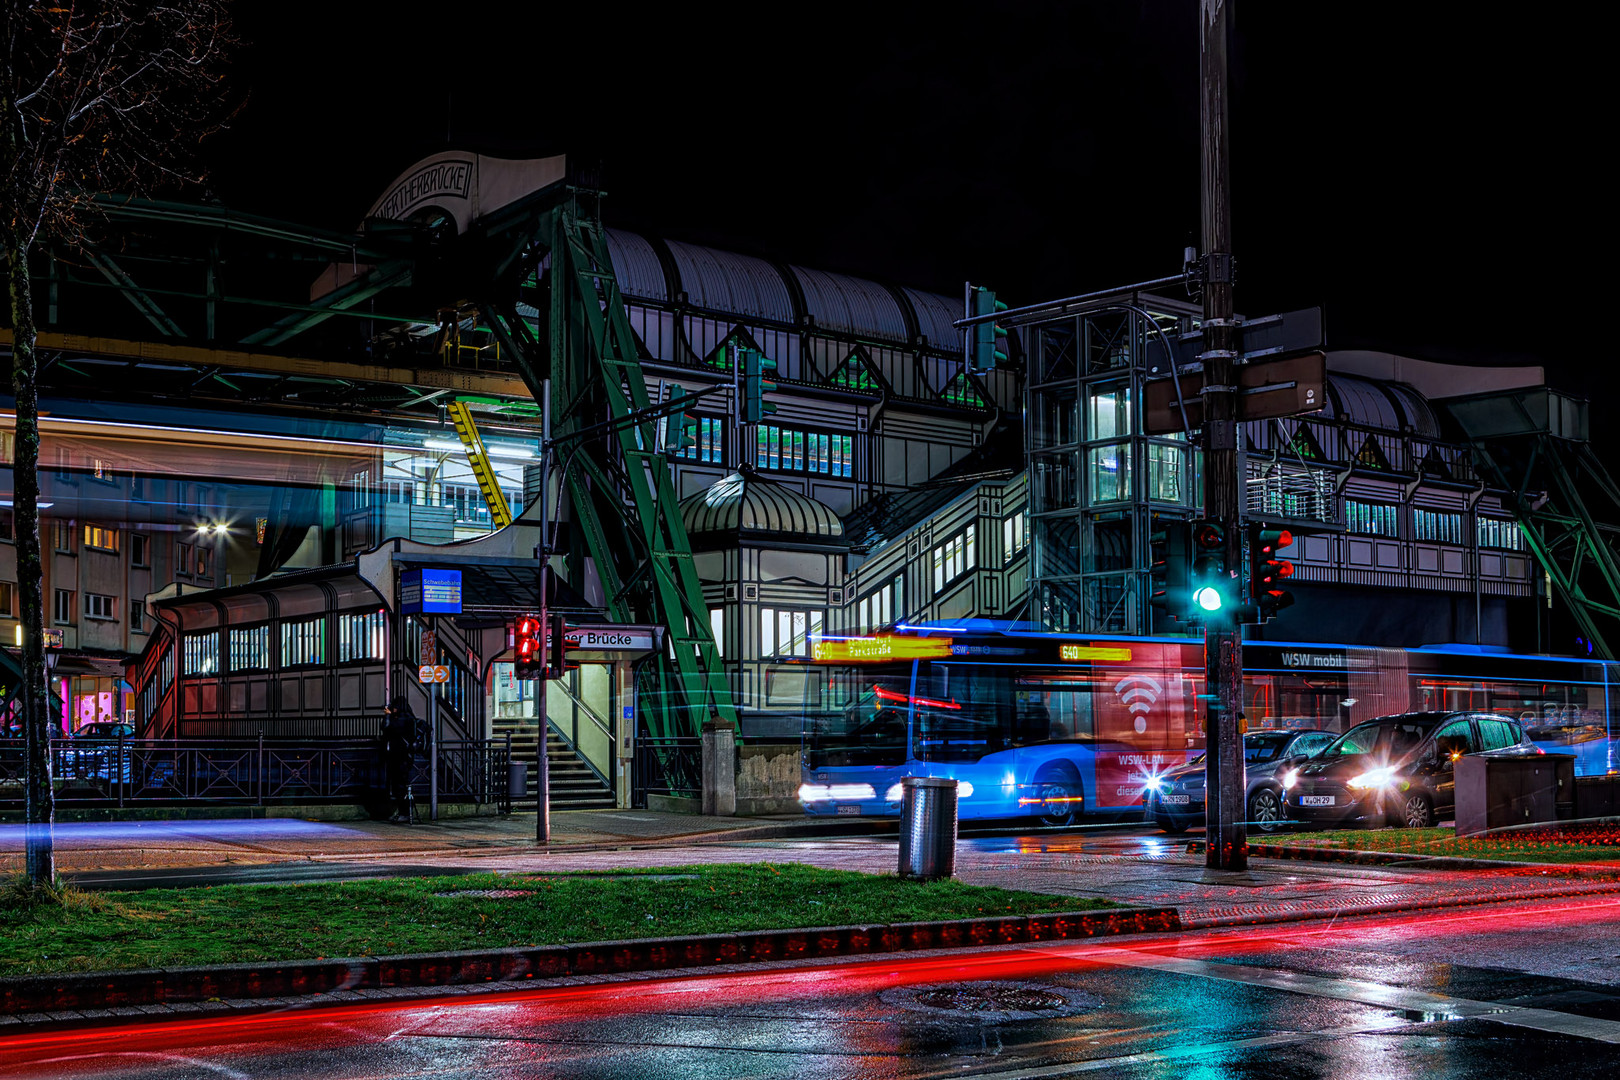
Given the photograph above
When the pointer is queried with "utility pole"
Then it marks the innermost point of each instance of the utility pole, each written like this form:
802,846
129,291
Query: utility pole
1226,835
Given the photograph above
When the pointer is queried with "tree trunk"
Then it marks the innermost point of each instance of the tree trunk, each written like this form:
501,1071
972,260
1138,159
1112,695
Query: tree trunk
41,803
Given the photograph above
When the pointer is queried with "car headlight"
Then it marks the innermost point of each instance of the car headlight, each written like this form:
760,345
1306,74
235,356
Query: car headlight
1155,784
1289,779
1373,778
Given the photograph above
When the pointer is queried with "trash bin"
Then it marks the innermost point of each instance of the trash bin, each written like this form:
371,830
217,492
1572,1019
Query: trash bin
517,779
927,827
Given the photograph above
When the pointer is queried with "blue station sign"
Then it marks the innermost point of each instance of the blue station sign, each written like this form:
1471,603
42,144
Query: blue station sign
429,591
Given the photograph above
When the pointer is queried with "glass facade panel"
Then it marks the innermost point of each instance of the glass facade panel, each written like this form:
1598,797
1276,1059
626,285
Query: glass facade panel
1110,472
1110,413
1164,473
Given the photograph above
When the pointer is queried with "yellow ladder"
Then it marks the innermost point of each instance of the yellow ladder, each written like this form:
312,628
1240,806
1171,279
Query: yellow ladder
479,460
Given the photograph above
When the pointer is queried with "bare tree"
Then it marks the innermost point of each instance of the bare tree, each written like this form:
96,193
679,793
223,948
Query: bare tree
95,96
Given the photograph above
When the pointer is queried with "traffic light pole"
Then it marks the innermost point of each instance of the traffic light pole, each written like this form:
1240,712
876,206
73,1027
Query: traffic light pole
1226,838
542,758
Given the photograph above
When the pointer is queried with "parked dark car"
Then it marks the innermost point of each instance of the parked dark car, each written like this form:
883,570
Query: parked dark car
1396,770
1175,800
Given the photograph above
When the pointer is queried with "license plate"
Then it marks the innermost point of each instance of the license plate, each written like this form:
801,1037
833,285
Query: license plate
1316,800
1176,800
849,809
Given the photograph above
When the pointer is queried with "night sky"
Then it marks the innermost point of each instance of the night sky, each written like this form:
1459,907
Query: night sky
1428,172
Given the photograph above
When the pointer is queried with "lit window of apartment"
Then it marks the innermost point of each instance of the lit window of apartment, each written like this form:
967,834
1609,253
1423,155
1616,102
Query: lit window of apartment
62,536
101,538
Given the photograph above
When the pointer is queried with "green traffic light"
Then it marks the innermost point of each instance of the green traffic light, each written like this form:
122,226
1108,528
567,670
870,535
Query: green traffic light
1208,598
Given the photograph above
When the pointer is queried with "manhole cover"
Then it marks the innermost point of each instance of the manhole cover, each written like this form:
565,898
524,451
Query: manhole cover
991,1001
486,894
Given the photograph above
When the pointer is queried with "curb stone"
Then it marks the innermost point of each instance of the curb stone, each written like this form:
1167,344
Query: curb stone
165,989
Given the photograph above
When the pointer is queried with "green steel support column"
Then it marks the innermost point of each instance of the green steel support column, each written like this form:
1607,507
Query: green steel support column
624,509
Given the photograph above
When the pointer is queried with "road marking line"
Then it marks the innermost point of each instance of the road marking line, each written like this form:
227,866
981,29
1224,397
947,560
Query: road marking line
1367,993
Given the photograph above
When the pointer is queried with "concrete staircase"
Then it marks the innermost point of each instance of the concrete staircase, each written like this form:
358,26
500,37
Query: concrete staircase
573,785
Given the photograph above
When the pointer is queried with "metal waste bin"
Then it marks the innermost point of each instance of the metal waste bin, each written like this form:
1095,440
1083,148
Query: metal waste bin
517,779
927,827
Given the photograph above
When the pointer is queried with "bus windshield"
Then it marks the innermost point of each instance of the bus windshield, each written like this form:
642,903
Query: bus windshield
870,729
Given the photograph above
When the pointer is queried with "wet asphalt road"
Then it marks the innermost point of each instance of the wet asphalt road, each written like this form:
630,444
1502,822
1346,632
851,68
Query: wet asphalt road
1528,990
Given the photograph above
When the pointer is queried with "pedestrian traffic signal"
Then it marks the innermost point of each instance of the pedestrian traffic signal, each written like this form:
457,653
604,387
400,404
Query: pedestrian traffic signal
528,652
987,350
1170,558
1211,582
1267,572
680,429
756,366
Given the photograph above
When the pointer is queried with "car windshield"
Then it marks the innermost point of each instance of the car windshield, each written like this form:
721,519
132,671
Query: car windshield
1389,739
1257,749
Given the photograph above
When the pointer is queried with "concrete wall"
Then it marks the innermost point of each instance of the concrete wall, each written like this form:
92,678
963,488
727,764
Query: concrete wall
768,780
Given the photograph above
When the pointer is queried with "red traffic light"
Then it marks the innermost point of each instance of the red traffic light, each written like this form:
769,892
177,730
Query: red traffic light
1208,536
1285,568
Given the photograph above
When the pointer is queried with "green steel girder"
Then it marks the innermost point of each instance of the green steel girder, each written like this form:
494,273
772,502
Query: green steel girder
1567,540
624,509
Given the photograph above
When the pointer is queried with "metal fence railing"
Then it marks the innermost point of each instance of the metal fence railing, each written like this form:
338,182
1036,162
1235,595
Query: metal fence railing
668,766
259,772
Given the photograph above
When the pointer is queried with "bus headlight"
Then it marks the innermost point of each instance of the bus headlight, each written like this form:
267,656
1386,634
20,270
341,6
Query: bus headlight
844,792
963,789
895,793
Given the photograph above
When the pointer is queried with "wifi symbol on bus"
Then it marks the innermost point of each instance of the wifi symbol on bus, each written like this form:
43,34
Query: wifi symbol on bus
1138,693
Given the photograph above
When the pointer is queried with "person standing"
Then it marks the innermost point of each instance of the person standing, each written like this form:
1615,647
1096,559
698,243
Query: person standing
399,739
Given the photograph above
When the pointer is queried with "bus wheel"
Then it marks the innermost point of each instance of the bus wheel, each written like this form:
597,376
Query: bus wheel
1060,799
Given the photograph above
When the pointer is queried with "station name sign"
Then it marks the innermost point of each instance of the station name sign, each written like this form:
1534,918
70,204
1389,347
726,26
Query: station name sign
430,591
611,639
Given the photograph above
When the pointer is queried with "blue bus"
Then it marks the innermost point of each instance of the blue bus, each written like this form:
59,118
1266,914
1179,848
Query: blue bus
1054,727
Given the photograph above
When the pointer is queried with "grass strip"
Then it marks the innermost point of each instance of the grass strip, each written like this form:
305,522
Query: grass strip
229,924
1507,847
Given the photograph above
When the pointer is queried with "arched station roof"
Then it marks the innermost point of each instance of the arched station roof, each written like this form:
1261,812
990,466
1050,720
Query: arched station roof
660,270
1392,407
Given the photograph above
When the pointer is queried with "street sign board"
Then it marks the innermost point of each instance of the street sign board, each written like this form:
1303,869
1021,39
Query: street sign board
430,591
611,638
1270,335
52,638
433,673
430,646
1283,386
